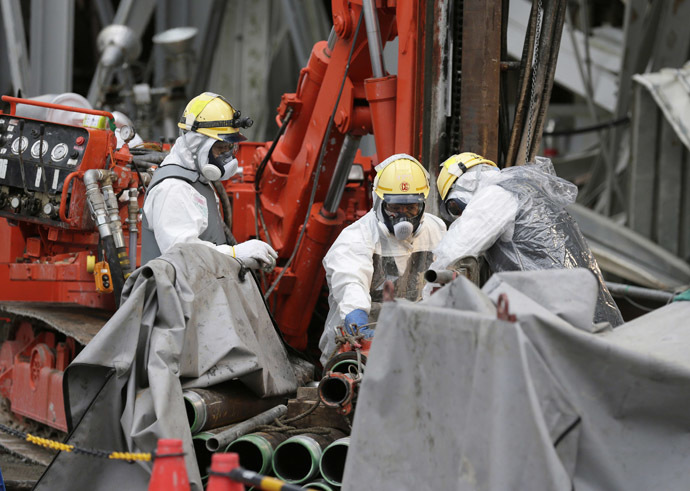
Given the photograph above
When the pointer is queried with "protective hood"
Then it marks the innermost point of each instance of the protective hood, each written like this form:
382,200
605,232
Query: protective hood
467,185
190,151
378,202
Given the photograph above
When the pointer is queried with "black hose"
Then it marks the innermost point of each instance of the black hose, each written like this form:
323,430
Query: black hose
588,129
262,165
319,164
227,211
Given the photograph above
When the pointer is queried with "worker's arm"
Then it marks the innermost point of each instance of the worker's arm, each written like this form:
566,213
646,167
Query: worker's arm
349,269
489,215
178,214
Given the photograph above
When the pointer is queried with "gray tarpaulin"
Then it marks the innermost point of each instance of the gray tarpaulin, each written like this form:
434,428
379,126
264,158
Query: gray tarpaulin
186,319
454,398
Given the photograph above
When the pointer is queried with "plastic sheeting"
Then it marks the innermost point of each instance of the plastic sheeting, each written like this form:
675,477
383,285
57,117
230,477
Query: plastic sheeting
534,233
186,320
670,88
454,398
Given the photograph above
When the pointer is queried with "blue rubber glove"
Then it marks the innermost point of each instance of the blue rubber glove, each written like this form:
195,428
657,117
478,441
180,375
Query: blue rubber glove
358,318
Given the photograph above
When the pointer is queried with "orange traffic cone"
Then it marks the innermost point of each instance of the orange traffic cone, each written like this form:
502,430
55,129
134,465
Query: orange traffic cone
223,463
169,471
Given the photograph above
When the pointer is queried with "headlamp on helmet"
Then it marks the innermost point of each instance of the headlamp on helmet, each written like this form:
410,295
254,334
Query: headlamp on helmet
212,115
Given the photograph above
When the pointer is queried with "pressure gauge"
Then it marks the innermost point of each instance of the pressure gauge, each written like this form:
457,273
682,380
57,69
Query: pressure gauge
23,141
35,149
126,133
59,152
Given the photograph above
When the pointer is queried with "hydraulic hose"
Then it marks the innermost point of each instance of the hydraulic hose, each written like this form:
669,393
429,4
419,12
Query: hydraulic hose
133,213
99,212
113,210
116,273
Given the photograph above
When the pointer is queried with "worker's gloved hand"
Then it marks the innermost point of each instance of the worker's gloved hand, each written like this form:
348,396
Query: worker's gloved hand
358,318
429,288
258,250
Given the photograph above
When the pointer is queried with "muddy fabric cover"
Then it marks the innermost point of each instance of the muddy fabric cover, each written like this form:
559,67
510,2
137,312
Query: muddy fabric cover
454,398
186,320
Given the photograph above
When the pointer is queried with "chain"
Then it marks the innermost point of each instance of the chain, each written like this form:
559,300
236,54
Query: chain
64,447
535,65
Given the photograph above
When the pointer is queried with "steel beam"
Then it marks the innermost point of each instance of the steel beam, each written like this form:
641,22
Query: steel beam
436,80
673,41
52,40
480,85
642,169
669,190
17,53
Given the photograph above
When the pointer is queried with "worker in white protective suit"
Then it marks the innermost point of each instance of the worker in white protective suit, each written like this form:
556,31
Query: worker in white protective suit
181,205
516,218
393,241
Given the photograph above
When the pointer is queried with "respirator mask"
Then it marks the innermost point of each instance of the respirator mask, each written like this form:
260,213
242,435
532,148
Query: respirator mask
402,214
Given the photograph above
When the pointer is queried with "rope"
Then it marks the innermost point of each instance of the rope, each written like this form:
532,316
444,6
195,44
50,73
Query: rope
65,447
282,424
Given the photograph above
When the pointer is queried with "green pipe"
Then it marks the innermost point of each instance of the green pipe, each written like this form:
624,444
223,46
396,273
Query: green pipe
320,485
296,460
332,463
256,450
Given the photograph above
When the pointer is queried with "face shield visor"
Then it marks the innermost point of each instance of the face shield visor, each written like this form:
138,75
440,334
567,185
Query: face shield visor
222,155
402,213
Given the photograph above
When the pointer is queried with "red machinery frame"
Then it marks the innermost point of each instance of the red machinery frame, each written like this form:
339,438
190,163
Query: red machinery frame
389,107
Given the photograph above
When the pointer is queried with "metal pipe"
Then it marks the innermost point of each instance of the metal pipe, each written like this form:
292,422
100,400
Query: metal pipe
332,463
338,390
374,38
296,460
332,38
203,455
638,292
440,276
223,405
319,485
224,438
340,175
133,213
256,450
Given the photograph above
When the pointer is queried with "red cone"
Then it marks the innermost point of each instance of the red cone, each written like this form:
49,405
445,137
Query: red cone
169,471
223,462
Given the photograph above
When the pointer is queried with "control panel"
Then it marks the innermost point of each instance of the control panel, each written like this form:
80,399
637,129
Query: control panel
36,156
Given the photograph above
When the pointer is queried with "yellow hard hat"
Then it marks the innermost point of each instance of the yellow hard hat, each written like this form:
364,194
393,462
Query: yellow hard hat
454,167
401,174
211,115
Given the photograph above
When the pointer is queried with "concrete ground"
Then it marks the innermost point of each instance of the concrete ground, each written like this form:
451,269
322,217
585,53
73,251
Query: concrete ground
19,474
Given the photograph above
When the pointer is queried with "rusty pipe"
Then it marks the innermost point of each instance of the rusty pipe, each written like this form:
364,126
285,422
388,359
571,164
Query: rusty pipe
332,463
223,405
256,450
339,390
224,438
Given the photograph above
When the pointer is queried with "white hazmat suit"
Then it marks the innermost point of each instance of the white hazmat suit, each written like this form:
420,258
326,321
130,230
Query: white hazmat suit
516,217
178,213
363,257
